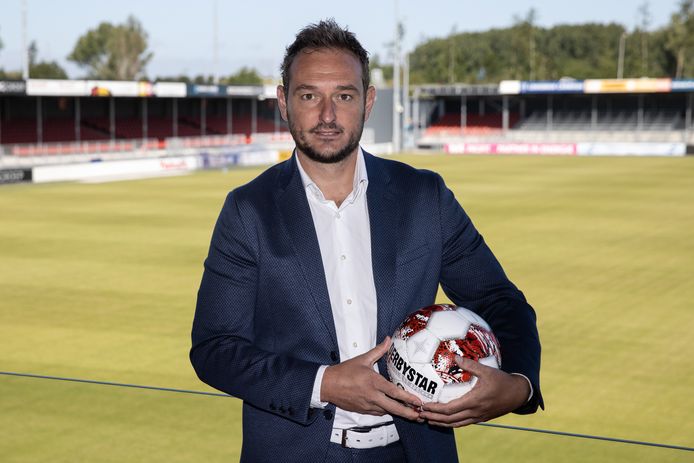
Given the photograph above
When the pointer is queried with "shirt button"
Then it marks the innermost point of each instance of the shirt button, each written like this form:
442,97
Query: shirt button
354,344
343,257
337,216
349,301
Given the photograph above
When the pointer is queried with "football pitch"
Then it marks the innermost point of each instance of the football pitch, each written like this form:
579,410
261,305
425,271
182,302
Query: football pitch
98,282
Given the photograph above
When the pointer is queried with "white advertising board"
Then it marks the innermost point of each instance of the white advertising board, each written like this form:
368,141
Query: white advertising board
631,149
132,168
56,87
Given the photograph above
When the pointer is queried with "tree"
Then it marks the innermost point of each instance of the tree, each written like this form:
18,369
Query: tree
680,35
43,69
47,70
644,12
117,52
525,29
387,69
179,78
244,76
202,79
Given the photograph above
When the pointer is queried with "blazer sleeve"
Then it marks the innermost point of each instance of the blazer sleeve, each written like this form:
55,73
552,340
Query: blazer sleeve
225,353
472,277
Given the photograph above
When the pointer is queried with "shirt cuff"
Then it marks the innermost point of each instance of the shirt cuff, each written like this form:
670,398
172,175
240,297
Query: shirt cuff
517,374
315,395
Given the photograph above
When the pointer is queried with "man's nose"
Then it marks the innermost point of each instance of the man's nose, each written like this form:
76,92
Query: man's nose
327,112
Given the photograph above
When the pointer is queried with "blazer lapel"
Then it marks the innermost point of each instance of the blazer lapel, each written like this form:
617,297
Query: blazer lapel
383,217
296,215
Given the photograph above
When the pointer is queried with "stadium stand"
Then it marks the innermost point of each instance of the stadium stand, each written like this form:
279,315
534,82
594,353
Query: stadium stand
622,111
475,124
623,120
628,110
95,120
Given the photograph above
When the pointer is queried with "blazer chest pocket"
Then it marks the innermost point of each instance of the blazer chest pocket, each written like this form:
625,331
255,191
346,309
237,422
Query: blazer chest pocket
412,254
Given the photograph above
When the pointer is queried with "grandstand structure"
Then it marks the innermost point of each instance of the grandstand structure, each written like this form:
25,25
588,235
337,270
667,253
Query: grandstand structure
58,130
623,112
61,117
69,121
49,116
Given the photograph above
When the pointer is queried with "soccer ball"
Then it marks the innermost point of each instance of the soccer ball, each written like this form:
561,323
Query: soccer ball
421,359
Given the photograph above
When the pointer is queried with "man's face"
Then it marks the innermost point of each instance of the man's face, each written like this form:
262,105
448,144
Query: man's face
325,104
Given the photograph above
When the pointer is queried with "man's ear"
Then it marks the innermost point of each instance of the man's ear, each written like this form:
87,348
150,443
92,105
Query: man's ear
370,100
282,102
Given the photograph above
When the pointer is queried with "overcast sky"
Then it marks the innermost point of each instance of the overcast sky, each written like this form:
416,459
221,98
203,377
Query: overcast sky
255,33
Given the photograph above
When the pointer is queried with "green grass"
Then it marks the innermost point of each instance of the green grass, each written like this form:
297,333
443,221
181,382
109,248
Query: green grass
98,281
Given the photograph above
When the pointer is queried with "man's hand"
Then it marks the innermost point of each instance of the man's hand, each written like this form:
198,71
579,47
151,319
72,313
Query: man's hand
496,393
353,385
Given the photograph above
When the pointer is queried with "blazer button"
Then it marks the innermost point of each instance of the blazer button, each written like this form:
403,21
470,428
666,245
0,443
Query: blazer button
282,410
333,356
272,407
290,411
328,414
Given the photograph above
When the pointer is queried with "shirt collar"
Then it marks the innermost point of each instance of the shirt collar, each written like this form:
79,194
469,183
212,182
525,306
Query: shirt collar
360,182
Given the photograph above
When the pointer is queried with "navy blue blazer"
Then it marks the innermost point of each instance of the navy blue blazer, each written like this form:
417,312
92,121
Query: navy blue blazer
263,322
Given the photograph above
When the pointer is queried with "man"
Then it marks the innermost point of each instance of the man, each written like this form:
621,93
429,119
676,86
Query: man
315,262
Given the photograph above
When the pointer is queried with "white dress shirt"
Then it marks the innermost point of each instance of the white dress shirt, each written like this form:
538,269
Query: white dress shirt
344,238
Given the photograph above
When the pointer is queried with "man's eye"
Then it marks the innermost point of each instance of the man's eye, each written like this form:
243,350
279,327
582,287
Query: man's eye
307,96
345,97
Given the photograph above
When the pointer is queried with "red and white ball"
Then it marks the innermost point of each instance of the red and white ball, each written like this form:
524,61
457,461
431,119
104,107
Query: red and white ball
421,359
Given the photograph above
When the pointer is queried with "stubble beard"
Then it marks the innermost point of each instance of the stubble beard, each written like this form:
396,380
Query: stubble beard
312,153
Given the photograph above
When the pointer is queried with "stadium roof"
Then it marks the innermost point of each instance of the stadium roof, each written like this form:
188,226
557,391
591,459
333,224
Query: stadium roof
563,86
115,88
105,88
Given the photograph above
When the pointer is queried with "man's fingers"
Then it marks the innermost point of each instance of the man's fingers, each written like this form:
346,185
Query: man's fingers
456,405
457,424
469,416
393,407
397,401
476,368
394,392
375,354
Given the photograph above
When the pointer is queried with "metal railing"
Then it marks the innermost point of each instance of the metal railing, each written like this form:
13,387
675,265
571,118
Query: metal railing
219,394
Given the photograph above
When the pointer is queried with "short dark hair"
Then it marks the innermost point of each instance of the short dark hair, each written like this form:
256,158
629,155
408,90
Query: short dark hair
325,34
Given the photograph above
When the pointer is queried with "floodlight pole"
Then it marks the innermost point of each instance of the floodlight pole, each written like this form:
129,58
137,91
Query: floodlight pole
25,44
396,83
215,44
620,59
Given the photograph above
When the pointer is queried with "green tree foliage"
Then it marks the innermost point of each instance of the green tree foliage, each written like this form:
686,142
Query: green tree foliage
375,63
10,75
43,69
3,74
117,52
244,76
47,70
523,51
202,79
174,78
679,38
586,51
581,51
